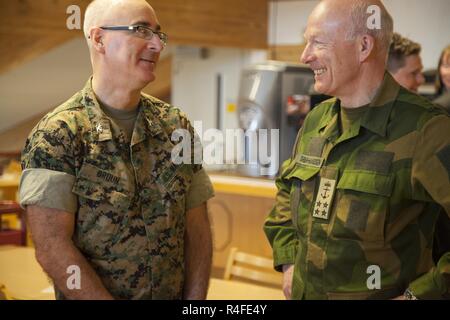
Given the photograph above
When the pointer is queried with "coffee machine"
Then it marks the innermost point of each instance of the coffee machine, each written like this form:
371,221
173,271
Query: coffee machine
265,94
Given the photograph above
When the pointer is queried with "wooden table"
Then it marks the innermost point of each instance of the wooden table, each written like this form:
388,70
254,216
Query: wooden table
220,289
24,279
22,276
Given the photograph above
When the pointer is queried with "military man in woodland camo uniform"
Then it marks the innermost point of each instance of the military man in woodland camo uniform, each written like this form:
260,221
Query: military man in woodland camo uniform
99,184
358,200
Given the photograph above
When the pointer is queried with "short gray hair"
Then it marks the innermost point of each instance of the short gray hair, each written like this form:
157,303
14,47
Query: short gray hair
359,16
95,13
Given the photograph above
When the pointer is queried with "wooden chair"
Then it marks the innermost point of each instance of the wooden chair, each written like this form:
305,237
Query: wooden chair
12,236
4,295
252,267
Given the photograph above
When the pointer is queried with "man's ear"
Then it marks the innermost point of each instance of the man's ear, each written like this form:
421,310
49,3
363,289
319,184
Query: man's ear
366,47
96,37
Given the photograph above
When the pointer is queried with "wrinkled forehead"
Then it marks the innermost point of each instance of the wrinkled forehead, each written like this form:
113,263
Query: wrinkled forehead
326,21
131,12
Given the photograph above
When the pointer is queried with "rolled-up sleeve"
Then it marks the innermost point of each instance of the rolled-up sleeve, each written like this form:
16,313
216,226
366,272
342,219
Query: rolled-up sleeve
48,189
200,191
431,181
48,166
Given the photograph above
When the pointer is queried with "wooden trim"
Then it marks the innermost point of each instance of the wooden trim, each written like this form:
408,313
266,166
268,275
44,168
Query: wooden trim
286,53
244,186
29,28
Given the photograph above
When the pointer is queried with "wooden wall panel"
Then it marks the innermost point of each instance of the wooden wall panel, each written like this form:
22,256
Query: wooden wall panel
230,23
29,27
237,221
286,53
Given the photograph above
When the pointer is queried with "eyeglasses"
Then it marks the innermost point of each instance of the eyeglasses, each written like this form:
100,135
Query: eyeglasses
141,32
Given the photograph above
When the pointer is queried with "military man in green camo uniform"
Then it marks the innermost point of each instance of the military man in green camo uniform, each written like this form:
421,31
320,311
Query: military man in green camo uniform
358,200
100,184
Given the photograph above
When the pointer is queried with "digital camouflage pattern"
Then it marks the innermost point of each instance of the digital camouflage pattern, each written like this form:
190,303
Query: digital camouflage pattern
131,200
391,173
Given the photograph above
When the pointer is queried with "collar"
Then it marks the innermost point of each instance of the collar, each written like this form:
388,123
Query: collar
377,116
147,122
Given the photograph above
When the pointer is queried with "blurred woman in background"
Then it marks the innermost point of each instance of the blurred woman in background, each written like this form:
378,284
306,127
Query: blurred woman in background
443,80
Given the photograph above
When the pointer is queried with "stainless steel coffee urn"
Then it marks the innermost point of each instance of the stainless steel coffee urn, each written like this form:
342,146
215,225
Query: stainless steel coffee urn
265,91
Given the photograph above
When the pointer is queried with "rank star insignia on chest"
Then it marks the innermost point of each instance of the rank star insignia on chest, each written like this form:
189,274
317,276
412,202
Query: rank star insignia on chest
324,198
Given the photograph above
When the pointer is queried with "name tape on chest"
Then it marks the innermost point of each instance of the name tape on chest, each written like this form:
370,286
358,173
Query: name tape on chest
310,161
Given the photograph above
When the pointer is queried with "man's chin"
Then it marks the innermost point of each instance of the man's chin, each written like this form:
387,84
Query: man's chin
319,88
147,78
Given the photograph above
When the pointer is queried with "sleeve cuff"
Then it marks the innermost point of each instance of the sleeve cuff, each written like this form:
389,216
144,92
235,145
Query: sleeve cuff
426,287
48,189
285,255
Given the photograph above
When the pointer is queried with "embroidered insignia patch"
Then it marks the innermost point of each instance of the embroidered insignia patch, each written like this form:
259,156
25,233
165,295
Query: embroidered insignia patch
324,198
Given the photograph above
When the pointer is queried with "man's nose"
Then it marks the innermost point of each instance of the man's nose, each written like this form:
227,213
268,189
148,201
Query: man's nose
306,55
155,44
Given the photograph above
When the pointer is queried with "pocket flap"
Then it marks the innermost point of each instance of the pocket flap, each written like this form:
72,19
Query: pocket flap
97,192
369,182
302,172
89,189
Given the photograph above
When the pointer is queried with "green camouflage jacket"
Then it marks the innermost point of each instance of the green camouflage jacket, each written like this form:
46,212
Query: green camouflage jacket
360,206
130,219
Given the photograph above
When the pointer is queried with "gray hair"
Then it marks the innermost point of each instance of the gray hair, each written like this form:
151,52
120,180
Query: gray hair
359,17
95,13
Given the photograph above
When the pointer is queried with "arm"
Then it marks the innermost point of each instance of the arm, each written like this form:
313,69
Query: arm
52,232
281,233
279,228
431,182
198,253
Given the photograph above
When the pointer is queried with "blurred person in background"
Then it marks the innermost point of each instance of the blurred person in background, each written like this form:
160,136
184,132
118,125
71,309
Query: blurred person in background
443,80
404,62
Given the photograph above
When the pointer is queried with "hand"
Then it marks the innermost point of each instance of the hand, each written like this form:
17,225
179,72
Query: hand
288,274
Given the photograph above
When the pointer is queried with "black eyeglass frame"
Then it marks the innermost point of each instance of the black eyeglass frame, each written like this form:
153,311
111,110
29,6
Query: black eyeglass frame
134,28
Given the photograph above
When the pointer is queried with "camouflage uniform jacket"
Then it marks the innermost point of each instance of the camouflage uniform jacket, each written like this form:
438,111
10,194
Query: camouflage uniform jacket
348,204
130,219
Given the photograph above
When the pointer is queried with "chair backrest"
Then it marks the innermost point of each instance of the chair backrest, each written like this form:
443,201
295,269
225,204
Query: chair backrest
251,267
17,237
4,295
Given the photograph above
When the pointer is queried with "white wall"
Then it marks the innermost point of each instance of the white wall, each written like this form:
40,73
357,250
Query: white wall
426,22
194,87
43,83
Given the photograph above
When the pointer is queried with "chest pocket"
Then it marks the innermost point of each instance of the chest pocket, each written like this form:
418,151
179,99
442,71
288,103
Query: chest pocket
303,181
363,205
103,206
